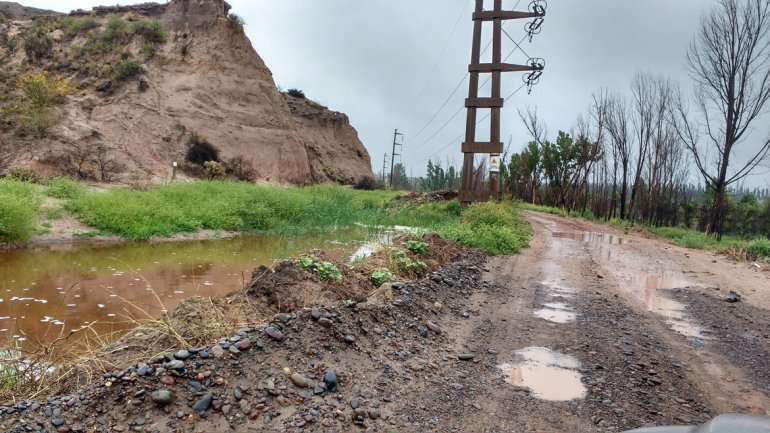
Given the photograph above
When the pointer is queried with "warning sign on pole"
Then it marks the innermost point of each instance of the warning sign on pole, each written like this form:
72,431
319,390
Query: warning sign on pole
494,164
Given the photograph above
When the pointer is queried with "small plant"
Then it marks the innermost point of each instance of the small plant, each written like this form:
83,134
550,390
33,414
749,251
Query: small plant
43,89
73,26
328,272
409,267
382,276
149,49
416,247
151,31
368,183
23,174
241,168
37,43
296,93
305,262
213,170
236,22
64,188
127,68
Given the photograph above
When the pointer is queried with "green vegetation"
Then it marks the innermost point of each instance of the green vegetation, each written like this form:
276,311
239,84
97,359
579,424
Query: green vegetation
407,266
296,93
328,272
30,109
759,247
249,208
416,247
382,276
127,68
236,22
73,26
19,207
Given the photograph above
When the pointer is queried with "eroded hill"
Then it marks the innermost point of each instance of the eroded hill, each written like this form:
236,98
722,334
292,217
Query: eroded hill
120,93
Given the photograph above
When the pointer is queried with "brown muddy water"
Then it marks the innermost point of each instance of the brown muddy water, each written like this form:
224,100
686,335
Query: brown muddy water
46,292
549,375
589,237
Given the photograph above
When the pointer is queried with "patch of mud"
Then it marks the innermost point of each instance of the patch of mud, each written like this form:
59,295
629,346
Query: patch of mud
556,316
589,237
550,375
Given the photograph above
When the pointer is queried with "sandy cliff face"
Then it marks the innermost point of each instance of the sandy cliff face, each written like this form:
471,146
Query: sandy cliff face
335,151
205,80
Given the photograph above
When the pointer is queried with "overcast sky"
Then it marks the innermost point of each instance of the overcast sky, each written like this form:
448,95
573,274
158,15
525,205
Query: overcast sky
392,63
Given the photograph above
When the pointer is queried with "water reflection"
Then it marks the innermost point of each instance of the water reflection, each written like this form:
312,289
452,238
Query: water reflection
550,375
51,290
589,237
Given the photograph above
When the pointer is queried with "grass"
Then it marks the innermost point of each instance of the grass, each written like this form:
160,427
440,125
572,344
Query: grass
19,208
539,208
759,247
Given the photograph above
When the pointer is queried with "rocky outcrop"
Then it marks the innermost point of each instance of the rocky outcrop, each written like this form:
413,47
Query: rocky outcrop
15,11
335,151
206,80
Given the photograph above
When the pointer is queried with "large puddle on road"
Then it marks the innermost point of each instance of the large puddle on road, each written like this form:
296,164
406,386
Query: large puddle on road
590,237
49,291
550,375
650,290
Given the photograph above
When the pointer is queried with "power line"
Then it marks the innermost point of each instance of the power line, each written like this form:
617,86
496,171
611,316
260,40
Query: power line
454,141
441,56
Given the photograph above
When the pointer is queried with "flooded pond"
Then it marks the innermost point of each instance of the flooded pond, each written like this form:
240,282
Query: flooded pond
549,375
47,291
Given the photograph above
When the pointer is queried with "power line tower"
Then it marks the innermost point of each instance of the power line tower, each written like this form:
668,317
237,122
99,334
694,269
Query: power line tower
393,154
384,167
494,147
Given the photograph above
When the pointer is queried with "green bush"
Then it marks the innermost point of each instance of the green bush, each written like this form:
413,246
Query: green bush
328,272
73,26
127,68
411,267
416,247
368,183
151,31
64,188
19,206
149,49
296,93
37,43
117,29
494,227
236,22
759,248
382,276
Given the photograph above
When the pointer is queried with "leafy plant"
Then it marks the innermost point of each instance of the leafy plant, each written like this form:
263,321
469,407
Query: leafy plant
214,170
416,247
328,272
305,262
408,266
382,276
127,68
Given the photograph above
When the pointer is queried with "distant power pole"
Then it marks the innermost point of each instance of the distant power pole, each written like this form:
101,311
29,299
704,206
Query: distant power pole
384,167
494,147
393,154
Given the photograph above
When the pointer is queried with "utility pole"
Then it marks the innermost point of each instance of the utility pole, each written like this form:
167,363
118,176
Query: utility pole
494,147
393,154
384,167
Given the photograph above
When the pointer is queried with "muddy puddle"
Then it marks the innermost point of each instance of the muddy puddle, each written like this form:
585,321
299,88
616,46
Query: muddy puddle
651,290
589,237
557,311
550,375
49,291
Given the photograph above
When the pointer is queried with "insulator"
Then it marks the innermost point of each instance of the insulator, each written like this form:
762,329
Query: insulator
538,6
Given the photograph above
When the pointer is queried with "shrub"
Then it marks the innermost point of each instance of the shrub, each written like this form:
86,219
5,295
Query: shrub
328,272
64,188
18,209
296,93
236,22
34,121
241,168
759,248
201,151
382,276
410,267
151,31
368,183
73,26
127,68
305,262
116,29
37,42
43,89
149,49
416,247
214,170
23,174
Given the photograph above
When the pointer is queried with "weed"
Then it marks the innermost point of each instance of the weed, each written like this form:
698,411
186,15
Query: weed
236,22
213,170
411,267
305,262
328,272
64,188
73,26
296,93
37,42
416,247
368,183
19,206
149,49
151,31
127,68
382,276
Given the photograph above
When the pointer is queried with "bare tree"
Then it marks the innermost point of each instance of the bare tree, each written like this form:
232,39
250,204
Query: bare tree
729,60
617,126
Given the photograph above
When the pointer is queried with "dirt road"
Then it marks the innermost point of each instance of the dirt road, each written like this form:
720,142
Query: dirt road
597,330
